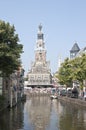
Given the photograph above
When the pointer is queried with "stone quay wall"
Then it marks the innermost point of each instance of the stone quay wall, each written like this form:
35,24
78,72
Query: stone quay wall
75,101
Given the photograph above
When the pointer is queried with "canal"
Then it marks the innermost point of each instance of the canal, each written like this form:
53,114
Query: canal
42,113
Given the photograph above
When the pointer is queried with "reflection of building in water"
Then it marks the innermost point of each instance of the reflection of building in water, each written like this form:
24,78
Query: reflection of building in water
16,117
12,119
39,112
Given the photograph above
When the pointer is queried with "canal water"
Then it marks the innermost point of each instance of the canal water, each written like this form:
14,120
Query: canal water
42,113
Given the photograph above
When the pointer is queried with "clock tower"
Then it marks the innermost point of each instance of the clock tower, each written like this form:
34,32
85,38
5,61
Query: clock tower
40,52
40,73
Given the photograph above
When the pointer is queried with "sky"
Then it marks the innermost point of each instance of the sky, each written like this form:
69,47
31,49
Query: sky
63,24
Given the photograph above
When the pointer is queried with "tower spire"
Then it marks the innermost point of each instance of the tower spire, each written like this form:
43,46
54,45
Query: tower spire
40,34
40,52
40,27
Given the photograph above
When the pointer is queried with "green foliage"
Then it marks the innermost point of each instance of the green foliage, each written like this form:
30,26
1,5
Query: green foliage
73,70
64,74
10,49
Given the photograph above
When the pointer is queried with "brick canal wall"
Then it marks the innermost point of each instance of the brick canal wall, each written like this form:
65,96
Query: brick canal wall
74,101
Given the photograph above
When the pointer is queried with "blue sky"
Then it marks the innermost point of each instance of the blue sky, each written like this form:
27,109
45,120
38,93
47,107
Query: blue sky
63,21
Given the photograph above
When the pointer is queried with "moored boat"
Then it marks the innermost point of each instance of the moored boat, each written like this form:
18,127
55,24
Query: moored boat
53,96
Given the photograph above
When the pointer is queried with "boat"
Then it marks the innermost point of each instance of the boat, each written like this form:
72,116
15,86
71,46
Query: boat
53,93
53,96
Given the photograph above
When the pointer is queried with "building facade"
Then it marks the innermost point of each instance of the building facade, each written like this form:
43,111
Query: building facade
76,51
13,88
73,52
40,73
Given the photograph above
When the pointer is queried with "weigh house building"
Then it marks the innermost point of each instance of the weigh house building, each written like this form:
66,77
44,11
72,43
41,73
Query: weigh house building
40,73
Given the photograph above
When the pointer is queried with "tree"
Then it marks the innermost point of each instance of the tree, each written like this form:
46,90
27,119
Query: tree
79,64
10,49
64,74
73,70
83,66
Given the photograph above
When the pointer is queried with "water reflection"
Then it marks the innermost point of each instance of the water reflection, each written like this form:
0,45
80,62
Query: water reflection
12,119
38,109
72,118
41,113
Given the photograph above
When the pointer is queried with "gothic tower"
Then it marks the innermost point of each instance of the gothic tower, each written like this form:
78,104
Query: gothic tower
40,52
40,72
